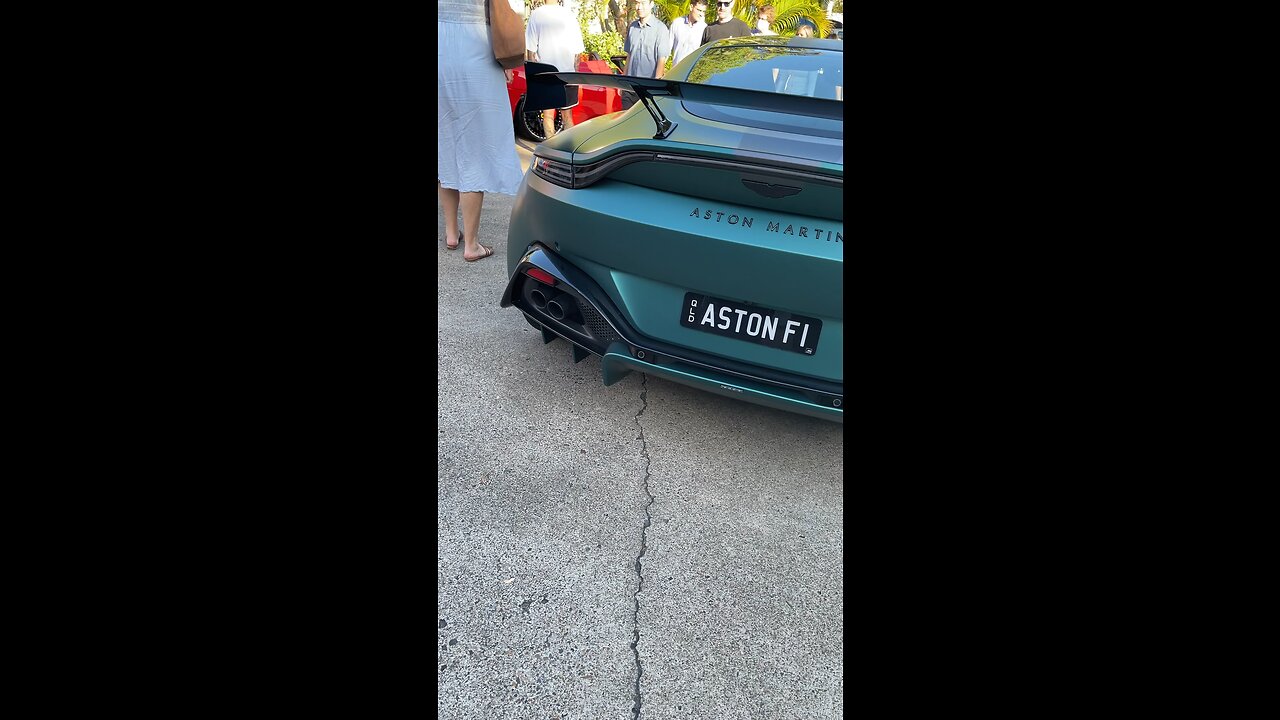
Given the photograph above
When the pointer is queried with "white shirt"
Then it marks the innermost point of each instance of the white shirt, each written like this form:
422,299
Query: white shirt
554,34
686,37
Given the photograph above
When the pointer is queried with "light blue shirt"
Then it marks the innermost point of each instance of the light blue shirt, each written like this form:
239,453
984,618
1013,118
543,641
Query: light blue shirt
647,47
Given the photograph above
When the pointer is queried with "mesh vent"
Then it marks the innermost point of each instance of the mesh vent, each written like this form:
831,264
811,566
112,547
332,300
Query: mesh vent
596,324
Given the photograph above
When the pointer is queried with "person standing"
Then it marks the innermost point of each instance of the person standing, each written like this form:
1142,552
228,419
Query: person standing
764,20
726,25
686,31
554,37
648,45
475,139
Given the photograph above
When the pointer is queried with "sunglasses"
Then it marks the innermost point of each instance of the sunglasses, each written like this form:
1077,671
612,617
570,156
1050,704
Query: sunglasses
720,4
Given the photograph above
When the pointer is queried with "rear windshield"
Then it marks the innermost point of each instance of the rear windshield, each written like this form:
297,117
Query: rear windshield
771,68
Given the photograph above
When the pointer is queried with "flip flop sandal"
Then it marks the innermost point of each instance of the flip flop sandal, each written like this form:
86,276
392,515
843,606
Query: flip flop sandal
487,252
447,246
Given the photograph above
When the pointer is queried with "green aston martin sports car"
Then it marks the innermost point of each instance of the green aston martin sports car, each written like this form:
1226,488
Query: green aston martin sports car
699,235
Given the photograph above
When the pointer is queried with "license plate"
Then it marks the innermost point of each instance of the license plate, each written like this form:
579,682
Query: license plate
752,323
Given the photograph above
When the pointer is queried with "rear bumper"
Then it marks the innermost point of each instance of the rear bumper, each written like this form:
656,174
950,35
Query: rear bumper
577,310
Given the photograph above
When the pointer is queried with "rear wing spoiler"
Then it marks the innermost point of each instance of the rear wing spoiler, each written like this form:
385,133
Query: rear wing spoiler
546,91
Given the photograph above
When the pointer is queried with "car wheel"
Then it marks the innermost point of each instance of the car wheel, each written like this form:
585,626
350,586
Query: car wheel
529,124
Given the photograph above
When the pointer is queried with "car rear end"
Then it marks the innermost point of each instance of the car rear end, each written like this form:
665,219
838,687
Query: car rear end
712,256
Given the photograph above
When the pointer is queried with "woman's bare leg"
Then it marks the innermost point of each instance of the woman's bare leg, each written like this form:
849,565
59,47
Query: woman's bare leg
471,203
449,201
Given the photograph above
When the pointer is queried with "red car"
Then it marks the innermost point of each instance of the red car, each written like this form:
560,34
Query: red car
593,101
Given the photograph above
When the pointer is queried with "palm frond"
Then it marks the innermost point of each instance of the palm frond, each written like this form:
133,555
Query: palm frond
668,10
789,13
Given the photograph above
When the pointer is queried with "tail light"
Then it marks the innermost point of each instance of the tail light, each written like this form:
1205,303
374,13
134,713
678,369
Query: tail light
580,176
554,171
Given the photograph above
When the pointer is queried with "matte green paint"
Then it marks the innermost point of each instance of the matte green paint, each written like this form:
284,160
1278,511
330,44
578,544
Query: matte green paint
645,252
646,247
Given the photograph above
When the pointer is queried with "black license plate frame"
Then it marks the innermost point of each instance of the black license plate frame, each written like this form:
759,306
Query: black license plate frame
706,313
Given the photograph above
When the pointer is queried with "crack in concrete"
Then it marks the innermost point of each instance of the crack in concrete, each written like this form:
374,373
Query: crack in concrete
644,450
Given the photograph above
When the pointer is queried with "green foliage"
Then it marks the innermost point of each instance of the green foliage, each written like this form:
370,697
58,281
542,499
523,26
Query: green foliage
669,10
605,45
591,13
599,11
789,13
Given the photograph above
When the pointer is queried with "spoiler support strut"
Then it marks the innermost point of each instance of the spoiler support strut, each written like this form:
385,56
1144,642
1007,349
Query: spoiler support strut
665,126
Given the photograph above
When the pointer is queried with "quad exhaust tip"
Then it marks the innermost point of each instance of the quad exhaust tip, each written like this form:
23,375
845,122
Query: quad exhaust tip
555,309
557,305
540,298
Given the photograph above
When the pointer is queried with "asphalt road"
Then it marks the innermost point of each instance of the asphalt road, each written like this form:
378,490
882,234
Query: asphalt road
558,496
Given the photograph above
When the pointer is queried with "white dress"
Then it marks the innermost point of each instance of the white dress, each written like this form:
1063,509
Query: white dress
476,141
